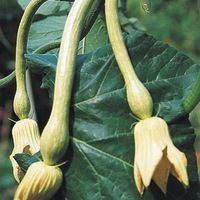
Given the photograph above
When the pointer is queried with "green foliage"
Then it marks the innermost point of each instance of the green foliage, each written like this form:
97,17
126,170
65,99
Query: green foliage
52,25
100,157
101,151
176,22
25,159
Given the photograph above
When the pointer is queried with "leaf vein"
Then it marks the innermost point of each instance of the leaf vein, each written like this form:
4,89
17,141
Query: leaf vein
102,152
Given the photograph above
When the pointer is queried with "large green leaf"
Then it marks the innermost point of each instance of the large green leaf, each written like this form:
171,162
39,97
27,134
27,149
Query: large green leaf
49,7
49,25
101,152
45,31
97,37
50,28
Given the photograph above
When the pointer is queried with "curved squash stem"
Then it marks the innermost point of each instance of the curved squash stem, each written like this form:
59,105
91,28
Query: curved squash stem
47,47
9,79
55,137
117,40
21,101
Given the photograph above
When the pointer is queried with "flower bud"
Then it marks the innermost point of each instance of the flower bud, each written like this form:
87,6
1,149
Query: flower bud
40,182
26,139
139,99
21,102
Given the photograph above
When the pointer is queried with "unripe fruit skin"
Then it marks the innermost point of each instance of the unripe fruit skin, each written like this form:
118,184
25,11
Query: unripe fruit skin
21,103
139,99
54,140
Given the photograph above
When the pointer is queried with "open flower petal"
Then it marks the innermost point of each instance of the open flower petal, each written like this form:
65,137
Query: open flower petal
179,164
147,152
40,182
26,139
161,173
138,179
156,156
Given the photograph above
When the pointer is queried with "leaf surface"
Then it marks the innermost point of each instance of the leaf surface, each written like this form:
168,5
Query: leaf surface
101,152
48,7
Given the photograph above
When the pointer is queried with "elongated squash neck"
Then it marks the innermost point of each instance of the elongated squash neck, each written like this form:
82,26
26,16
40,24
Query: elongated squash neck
55,137
21,100
138,97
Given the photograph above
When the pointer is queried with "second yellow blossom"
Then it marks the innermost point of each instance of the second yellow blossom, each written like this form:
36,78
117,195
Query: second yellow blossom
156,156
40,182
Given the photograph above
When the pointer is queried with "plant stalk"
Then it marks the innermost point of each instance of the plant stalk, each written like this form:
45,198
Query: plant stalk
55,137
138,97
21,100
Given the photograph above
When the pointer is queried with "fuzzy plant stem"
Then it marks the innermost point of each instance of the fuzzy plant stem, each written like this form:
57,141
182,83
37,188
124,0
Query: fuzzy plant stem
21,100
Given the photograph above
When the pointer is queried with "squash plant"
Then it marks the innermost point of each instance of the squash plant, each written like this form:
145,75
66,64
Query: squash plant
90,132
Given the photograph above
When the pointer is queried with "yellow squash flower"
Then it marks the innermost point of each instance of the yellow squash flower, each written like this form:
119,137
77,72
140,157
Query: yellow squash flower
26,139
40,182
156,156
